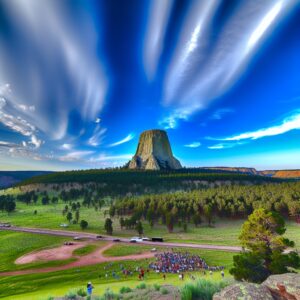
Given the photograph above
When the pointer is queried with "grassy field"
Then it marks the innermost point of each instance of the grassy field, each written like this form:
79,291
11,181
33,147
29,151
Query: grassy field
39,286
225,232
121,250
16,244
86,249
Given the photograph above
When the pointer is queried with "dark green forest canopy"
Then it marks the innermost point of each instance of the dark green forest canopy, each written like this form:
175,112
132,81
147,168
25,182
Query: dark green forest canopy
120,182
223,201
124,176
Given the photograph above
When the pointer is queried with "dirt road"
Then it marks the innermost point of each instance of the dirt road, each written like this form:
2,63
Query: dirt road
93,236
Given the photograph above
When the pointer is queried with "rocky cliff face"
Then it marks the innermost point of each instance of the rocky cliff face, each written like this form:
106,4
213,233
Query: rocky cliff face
154,152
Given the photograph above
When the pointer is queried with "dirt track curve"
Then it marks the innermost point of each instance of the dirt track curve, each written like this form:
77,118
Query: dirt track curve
95,257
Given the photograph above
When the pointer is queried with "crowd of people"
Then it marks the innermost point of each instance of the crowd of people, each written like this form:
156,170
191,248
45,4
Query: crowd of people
178,262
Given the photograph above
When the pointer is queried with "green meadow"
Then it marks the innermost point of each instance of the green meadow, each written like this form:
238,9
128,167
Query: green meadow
39,286
16,244
223,232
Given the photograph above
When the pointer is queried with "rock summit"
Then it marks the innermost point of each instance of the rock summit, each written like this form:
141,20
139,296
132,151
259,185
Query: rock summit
154,152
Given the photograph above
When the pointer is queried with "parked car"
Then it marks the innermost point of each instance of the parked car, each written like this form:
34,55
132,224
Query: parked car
153,250
136,239
99,237
116,240
77,238
157,239
5,225
68,243
64,225
146,239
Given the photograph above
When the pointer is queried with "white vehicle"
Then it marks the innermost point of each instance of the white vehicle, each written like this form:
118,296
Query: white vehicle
135,239
64,225
146,239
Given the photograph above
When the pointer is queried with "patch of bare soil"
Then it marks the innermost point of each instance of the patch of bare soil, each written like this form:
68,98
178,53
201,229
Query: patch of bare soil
59,253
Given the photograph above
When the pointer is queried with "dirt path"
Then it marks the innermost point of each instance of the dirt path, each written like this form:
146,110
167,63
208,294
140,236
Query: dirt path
95,257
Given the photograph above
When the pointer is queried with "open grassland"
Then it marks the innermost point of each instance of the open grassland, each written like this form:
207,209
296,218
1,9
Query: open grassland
16,244
39,286
224,231
122,250
86,249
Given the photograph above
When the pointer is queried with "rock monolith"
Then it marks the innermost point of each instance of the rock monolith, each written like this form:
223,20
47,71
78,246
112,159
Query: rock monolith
154,152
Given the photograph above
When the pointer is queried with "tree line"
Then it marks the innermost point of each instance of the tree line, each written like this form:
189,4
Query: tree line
7,203
236,201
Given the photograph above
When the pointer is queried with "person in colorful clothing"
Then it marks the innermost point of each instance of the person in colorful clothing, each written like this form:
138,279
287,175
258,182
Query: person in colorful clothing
89,289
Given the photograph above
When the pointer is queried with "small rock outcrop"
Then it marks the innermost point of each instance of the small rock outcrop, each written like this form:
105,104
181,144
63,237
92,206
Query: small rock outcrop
284,286
276,287
154,152
245,291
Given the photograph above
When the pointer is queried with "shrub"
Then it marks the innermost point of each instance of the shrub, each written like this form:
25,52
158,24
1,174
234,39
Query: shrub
81,292
164,291
109,295
125,289
156,287
71,295
141,286
84,224
201,290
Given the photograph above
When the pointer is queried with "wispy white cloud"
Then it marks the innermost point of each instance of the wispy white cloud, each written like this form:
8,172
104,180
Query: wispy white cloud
72,43
5,89
290,123
75,156
66,146
171,121
105,157
225,145
189,53
11,150
36,142
15,123
25,107
200,72
158,19
7,144
97,137
128,138
193,145
220,113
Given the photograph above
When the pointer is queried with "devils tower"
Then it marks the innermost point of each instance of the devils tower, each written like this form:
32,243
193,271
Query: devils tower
154,152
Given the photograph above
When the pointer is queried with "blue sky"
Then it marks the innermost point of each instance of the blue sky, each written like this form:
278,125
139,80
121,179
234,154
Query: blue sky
80,80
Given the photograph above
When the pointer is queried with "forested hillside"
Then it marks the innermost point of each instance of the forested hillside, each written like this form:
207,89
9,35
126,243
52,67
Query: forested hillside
224,201
121,181
9,178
